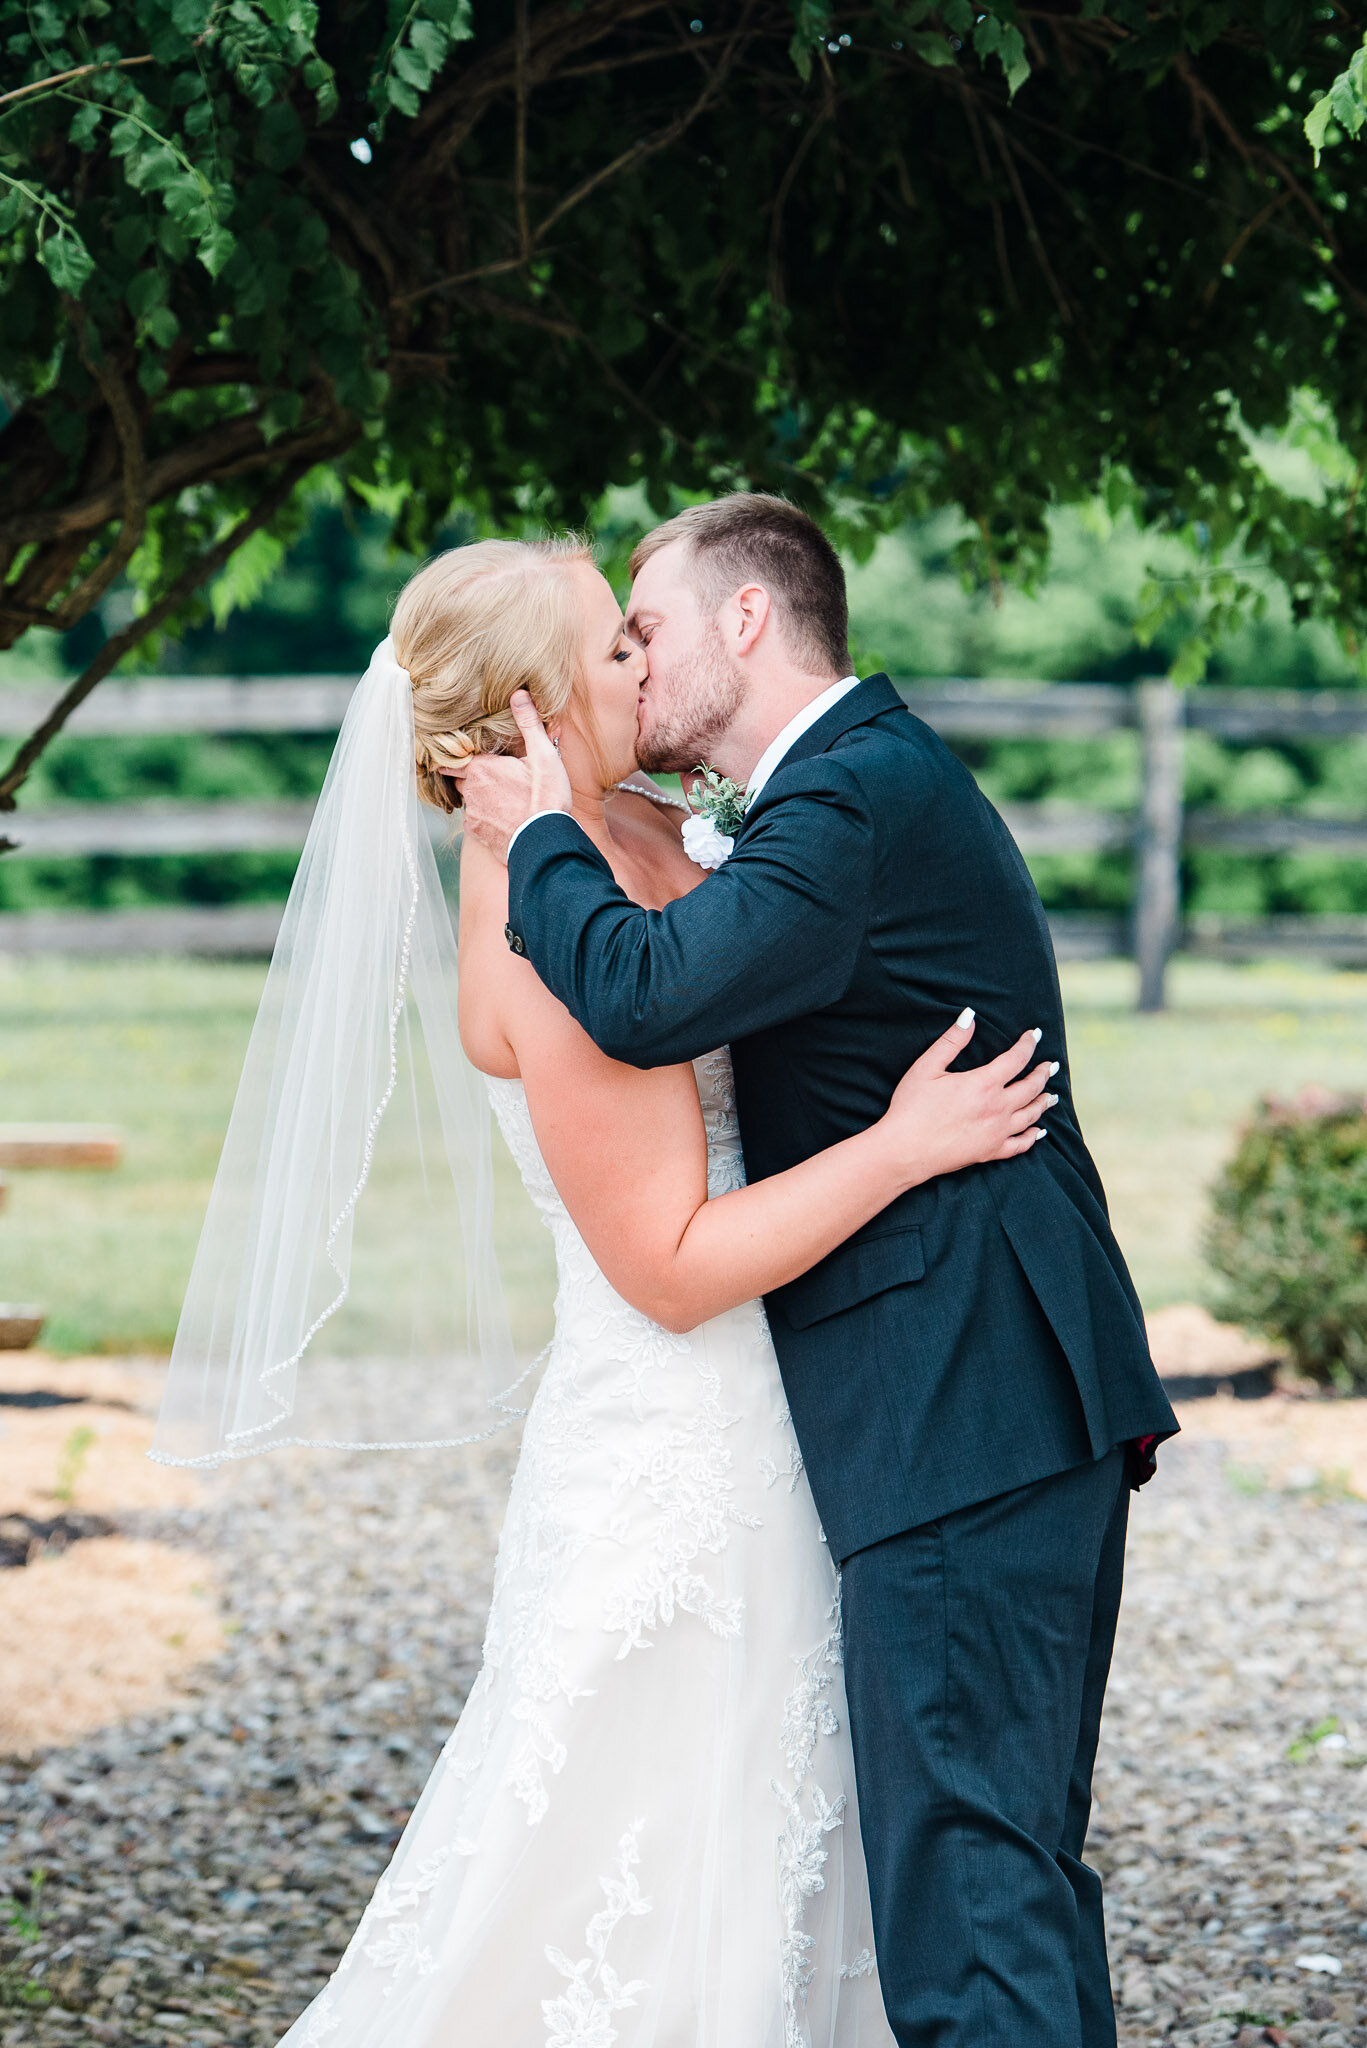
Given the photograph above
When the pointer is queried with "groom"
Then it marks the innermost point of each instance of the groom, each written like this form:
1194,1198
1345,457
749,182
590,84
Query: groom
968,1374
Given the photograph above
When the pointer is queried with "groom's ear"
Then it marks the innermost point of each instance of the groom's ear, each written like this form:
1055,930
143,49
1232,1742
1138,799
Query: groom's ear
749,609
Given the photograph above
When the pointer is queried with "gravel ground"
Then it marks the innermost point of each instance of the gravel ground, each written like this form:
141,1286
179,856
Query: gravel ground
205,1867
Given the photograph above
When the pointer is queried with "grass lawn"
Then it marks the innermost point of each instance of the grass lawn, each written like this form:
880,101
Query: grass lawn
155,1047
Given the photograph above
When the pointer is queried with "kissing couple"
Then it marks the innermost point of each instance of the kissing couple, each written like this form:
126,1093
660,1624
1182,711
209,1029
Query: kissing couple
807,1589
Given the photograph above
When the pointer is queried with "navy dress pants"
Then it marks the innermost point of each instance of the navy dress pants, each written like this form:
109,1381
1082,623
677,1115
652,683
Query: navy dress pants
976,1655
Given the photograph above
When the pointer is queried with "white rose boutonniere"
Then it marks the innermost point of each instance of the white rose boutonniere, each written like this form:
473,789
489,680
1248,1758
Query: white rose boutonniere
719,807
704,844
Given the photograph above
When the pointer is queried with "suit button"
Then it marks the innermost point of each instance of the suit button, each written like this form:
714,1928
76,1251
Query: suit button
515,944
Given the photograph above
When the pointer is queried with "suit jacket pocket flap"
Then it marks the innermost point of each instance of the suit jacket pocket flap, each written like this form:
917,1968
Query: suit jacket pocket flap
853,1273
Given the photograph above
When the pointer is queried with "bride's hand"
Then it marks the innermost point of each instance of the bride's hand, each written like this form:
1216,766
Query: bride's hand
939,1122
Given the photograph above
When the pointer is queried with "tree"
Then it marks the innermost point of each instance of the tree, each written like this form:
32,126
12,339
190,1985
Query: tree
883,255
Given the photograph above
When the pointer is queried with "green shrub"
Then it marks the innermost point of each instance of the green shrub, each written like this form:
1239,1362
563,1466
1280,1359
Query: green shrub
1289,1232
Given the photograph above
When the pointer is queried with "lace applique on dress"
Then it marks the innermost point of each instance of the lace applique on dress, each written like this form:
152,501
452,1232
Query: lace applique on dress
581,2016
686,1473
808,1714
683,1467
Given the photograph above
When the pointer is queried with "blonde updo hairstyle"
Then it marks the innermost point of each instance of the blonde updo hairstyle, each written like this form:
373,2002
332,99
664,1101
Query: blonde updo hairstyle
471,627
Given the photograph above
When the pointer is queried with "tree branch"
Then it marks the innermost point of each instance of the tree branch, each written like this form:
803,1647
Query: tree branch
1241,241
1032,232
524,239
641,149
603,67
627,160
785,186
362,228
222,451
495,307
186,584
998,223
65,77
452,116
98,578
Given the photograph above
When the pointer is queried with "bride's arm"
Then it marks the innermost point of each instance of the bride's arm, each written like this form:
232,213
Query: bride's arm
627,1151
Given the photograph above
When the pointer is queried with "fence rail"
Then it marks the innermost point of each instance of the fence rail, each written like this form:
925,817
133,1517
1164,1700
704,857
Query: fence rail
247,931
278,828
1018,710
160,828
188,704
958,709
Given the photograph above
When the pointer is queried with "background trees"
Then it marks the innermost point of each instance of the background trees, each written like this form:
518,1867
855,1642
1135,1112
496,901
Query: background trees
505,255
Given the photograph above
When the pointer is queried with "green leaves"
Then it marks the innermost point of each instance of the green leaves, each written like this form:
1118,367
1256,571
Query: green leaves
717,797
852,277
215,248
416,53
66,260
146,300
60,249
85,125
246,575
147,291
1344,106
1288,1233
812,27
1303,1746
993,37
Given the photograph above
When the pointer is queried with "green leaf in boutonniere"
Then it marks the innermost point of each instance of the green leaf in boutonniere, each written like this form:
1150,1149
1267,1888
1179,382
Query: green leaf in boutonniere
719,798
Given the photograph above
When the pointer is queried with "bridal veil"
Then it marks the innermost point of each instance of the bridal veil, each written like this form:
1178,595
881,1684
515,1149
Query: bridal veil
345,1292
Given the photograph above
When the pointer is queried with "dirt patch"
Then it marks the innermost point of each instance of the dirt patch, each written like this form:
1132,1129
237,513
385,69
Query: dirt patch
88,1451
127,1382
1188,1343
84,1456
96,1624
103,1631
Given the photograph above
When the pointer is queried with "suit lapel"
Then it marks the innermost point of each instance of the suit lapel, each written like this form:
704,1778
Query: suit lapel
868,700
871,699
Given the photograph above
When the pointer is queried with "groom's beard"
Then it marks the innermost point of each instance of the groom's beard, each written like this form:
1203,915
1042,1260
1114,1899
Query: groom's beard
687,710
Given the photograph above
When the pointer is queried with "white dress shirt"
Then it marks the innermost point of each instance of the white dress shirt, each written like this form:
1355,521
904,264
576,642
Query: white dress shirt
779,747
768,761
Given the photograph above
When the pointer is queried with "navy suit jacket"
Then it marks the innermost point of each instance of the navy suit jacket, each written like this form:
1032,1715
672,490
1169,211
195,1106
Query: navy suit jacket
982,1332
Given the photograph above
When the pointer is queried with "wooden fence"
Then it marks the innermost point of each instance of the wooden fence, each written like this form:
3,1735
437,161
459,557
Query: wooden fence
1157,832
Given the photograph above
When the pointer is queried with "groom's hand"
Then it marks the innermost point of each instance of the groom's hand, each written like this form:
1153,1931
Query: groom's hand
500,792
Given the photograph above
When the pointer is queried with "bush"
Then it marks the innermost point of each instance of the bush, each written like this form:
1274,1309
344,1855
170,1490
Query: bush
1289,1233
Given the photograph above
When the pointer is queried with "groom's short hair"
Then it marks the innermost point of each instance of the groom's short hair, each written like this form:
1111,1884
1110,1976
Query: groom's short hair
752,537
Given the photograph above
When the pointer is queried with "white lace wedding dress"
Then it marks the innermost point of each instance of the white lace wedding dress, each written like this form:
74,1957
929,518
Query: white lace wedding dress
643,1830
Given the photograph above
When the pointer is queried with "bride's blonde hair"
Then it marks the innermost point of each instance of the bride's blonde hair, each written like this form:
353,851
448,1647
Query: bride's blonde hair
471,627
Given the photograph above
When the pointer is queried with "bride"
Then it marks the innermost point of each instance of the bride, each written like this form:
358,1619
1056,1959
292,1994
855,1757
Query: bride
644,1826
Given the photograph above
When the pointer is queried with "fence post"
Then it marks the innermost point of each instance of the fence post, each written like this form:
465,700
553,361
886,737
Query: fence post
1157,910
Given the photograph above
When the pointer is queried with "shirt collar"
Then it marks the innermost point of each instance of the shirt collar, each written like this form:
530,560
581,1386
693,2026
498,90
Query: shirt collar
792,732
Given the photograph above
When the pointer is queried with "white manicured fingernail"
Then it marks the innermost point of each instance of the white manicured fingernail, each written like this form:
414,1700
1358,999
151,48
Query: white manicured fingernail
1053,1067
1037,1034
1049,1101
1043,1133
963,1020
